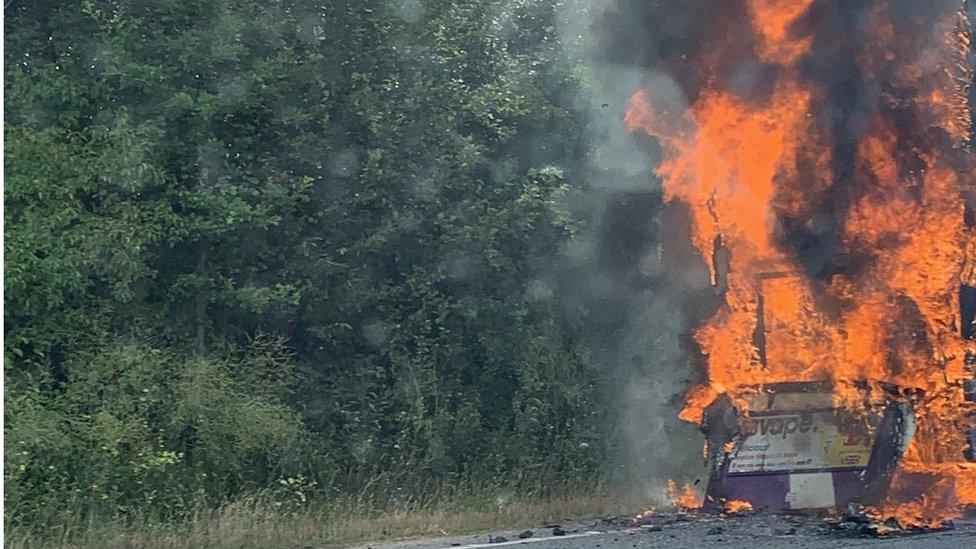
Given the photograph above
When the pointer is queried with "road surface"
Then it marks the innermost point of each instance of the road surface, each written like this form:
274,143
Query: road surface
760,531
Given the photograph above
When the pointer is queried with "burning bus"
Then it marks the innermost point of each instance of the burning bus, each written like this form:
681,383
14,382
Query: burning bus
798,446
827,187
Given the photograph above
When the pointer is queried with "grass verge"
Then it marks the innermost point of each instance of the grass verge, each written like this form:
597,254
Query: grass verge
253,523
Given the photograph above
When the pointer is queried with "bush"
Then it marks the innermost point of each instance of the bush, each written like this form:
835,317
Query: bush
135,428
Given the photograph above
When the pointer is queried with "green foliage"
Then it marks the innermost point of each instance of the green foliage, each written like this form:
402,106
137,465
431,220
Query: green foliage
380,186
137,426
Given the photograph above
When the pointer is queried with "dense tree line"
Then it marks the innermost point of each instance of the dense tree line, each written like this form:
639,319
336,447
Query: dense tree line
255,240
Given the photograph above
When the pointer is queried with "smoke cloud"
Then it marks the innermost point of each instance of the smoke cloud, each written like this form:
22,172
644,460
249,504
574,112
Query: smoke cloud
635,286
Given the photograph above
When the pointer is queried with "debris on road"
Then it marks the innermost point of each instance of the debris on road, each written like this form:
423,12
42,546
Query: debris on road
864,526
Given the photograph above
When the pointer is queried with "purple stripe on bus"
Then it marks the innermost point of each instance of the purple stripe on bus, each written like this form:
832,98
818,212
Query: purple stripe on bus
762,491
847,486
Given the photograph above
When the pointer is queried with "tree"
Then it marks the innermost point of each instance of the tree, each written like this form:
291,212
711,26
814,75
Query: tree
382,185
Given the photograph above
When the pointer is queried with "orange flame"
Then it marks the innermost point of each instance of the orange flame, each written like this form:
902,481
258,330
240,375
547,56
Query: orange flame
683,497
746,165
736,506
930,510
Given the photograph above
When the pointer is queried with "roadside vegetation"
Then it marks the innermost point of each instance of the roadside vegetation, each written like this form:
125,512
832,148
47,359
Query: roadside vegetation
261,522
262,255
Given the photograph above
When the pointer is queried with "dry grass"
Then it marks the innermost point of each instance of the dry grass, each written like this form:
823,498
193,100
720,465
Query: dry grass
249,523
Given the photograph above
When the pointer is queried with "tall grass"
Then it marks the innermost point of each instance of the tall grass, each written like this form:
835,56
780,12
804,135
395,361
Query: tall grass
258,521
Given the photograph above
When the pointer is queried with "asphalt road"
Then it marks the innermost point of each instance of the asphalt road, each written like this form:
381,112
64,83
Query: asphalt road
761,531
